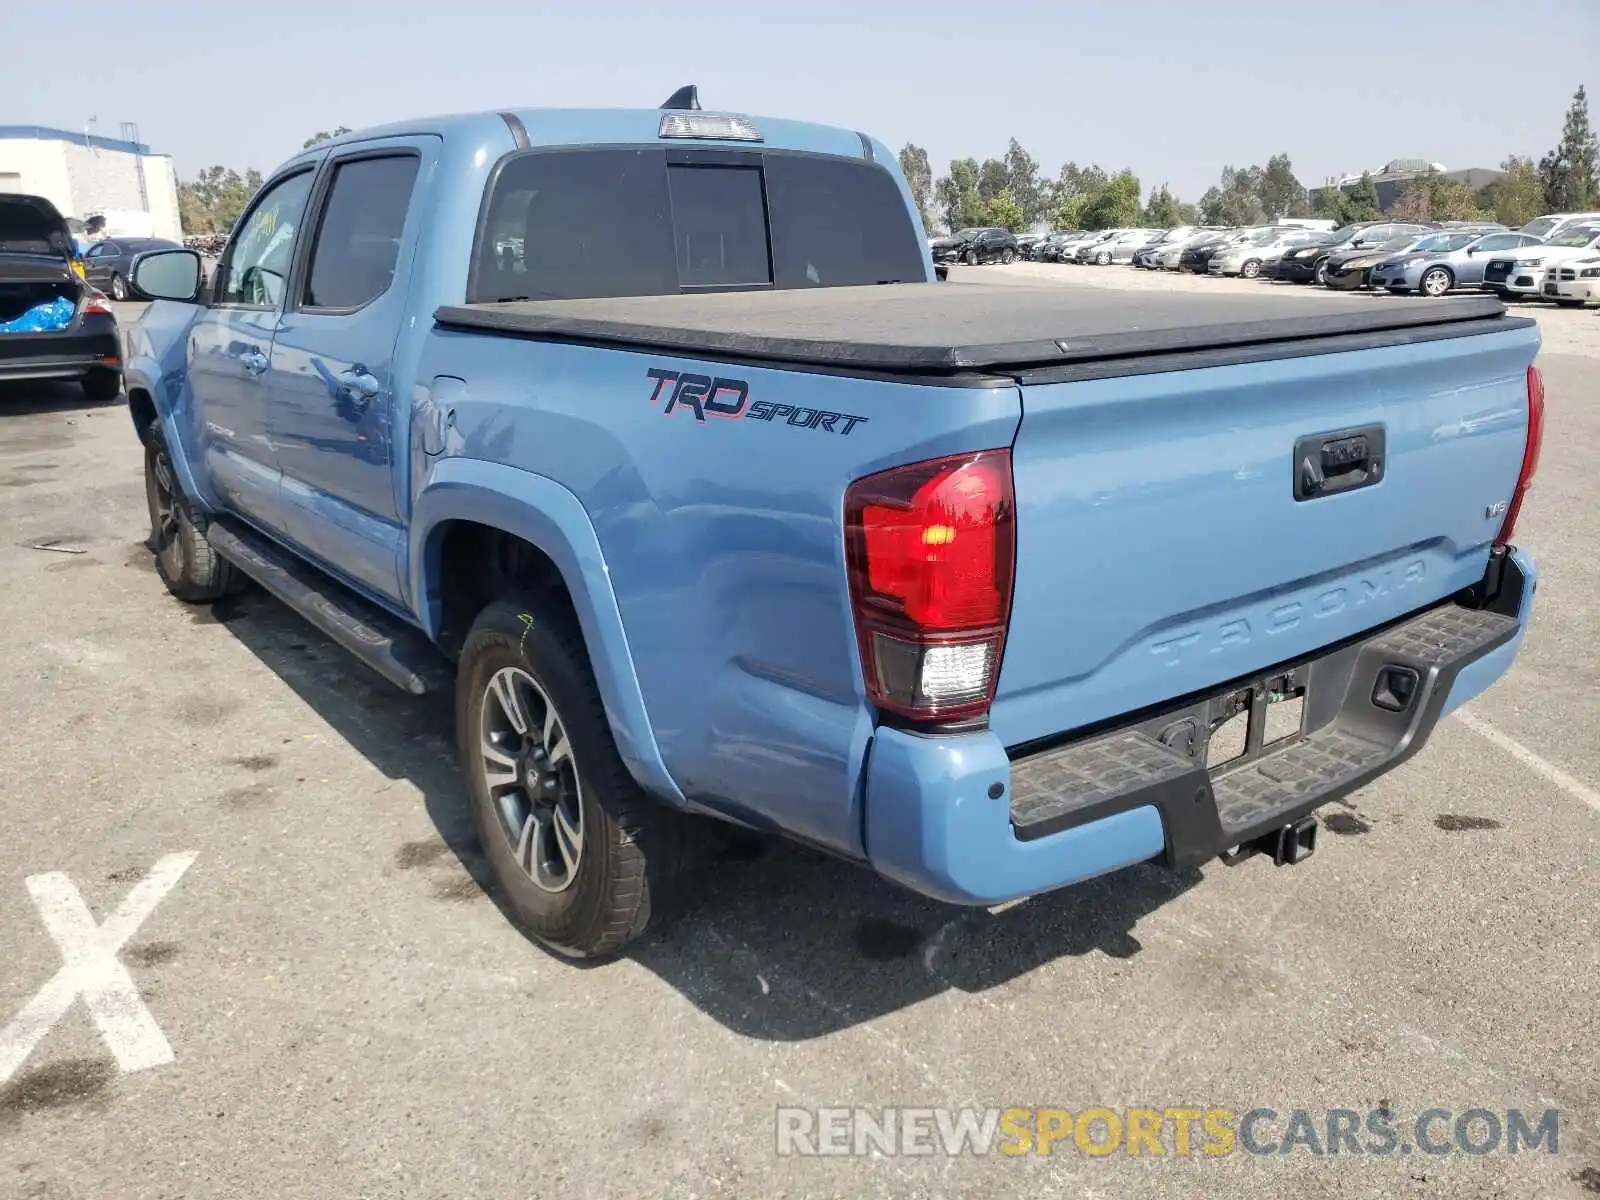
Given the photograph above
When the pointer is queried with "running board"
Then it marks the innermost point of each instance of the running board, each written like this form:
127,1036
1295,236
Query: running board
394,650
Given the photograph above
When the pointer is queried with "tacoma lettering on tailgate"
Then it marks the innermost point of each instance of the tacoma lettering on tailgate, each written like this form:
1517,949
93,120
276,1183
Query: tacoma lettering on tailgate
1240,631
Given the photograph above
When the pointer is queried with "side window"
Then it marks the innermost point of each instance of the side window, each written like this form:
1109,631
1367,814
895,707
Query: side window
256,272
358,241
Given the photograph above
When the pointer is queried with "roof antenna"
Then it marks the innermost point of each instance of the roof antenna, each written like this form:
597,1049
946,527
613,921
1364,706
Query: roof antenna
686,97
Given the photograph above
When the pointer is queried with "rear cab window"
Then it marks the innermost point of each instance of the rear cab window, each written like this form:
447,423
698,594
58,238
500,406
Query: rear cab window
646,221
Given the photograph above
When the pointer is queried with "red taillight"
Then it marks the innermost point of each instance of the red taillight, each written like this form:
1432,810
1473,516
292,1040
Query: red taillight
95,302
1530,455
930,549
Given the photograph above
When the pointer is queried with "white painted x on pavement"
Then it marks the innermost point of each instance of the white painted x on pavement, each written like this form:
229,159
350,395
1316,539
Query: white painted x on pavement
90,969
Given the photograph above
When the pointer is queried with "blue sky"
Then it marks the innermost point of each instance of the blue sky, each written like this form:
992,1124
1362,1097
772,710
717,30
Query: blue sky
1173,88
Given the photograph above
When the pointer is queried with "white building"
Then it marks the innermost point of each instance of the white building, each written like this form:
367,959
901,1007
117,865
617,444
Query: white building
85,176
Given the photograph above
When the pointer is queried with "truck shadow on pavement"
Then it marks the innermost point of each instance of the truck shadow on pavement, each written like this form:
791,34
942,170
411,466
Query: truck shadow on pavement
775,941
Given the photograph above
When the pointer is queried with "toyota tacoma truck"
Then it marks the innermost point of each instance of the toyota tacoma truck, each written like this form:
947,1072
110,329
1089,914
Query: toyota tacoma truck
650,434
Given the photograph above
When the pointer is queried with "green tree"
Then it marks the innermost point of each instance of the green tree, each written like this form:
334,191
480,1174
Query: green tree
1361,202
1236,200
1163,211
1517,197
1432,197
1281,193
1116,204
915,167
1568,172
213,200
1022,180
323,135
992,178
1004,211
956,195
1326,202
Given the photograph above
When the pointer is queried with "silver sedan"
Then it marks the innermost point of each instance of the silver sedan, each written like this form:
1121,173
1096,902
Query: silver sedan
1459,264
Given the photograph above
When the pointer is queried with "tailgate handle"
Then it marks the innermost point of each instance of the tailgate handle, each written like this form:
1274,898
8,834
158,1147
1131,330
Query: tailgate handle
1326,464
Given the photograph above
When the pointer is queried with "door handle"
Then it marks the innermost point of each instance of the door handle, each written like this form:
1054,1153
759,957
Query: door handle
253,361
359,383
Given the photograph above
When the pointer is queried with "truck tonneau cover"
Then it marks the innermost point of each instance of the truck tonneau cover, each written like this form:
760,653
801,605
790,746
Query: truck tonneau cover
941,328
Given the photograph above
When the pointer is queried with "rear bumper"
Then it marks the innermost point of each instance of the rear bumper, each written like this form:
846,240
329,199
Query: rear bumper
956,818
91,345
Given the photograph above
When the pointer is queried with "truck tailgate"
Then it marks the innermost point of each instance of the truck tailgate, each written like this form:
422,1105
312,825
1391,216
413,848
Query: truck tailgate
1162,548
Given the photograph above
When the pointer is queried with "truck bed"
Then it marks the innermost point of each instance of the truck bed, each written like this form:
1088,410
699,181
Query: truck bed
955,328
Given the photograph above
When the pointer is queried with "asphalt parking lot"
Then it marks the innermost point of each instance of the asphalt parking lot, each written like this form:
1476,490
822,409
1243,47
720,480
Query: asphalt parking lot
291,983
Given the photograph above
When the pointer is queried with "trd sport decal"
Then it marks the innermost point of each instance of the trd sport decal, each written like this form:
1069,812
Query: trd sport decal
729,400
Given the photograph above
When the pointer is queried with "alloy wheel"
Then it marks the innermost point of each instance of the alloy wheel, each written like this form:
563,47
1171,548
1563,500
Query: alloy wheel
1436,282
166,538
532,779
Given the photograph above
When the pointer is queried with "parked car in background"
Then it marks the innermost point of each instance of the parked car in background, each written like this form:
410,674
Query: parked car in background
984,244
53,325
1048,249
1548,226
1168,255
1458,262
108,264
1306,264
1144,256
1349,270
1068,250
1196,256
1574,283
1118,249
1245,258
1522,273
1026,242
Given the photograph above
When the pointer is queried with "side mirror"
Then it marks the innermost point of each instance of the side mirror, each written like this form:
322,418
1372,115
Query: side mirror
166,275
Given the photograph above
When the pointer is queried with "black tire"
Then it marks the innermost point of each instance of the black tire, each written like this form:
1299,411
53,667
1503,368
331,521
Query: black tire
1251,269
1320,273
192,571
119,289
1008,256
970,258
632,849
1444,279
1103,259
1568,302
101,387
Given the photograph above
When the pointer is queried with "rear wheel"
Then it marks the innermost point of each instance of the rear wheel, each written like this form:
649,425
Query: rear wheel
1436,281
101,387
119,290
192,571
583,858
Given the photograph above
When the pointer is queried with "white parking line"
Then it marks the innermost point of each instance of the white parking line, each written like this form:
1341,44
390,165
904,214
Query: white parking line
1529,759
90,968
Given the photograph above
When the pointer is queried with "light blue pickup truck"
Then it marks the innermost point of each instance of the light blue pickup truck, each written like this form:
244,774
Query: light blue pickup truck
654,435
